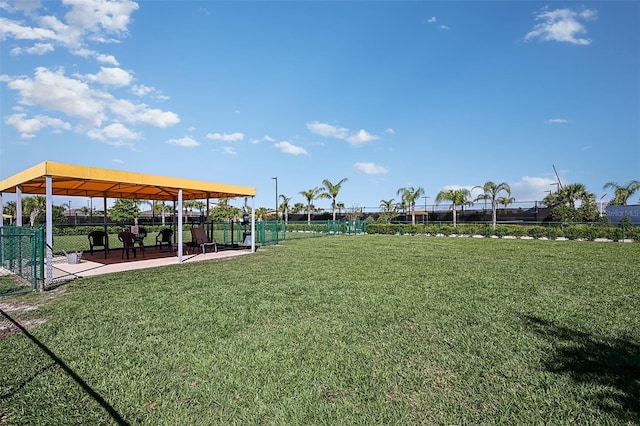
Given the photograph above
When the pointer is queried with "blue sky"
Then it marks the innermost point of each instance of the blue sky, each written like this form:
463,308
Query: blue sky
387,94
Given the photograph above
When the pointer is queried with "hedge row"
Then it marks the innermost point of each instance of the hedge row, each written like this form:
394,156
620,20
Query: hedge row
571,232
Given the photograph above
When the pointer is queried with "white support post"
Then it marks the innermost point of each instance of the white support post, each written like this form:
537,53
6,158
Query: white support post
180,225
18,205
49,230
253,224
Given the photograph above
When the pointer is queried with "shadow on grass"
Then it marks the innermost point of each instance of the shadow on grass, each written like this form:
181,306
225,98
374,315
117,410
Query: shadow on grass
56,360
611,363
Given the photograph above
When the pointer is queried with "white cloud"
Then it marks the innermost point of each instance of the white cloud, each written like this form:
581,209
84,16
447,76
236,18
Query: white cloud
29,126
10,29
56,92
289,148
134,113
233,137
361,138
266,138
142,90
562,25
556,121
229,150
327,130
106,59
120,144
186,142
36,49
390,131
114,131
76,98
532,188
433,20
370,168
111,76
100,16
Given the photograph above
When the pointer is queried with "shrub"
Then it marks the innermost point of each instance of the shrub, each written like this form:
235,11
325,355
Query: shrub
500,231
537,231
447,230
554,233
517,230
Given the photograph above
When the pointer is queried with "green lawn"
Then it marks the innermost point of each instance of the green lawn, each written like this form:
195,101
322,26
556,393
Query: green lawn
358,330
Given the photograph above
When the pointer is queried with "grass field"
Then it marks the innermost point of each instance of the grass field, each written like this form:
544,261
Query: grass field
341,330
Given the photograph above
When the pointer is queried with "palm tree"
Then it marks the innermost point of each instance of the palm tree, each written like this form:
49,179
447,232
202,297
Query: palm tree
331,190
388,208
571,193
457,197
284,207
409,196
297,208
33,206
505,201
491,191
622,193
163,209
310,195
340,207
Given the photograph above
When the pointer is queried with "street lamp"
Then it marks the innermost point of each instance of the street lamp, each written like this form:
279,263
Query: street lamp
276,179
425,209
601,205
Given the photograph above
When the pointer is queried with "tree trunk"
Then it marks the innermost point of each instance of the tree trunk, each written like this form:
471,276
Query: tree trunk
455,213
494,214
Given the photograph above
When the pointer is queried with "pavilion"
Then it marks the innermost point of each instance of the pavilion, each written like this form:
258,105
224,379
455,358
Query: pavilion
51,178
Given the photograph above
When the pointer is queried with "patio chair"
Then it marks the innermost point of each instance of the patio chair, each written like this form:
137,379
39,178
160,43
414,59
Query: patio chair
164,237
99,239
129,242
142,233
200,238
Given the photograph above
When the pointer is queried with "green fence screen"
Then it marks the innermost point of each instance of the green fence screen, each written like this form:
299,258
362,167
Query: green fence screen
21,259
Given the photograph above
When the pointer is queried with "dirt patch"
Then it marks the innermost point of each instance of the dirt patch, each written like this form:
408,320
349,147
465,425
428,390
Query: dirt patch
22,309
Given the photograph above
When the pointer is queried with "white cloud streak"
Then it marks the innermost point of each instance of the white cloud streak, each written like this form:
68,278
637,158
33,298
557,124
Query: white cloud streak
233,137
370,168
289,148
28,127
562,25
530,188
111,76
186,142
361,138
342,133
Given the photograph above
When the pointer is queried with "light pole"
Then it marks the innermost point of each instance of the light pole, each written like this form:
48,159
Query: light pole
601,205
425,209
276,179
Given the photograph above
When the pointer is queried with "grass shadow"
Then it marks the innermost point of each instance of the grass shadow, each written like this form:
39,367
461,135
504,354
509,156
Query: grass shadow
613,364
56,360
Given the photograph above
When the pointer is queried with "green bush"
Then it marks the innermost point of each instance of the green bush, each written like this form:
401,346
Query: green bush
537,232
448,230
555,232
501,231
